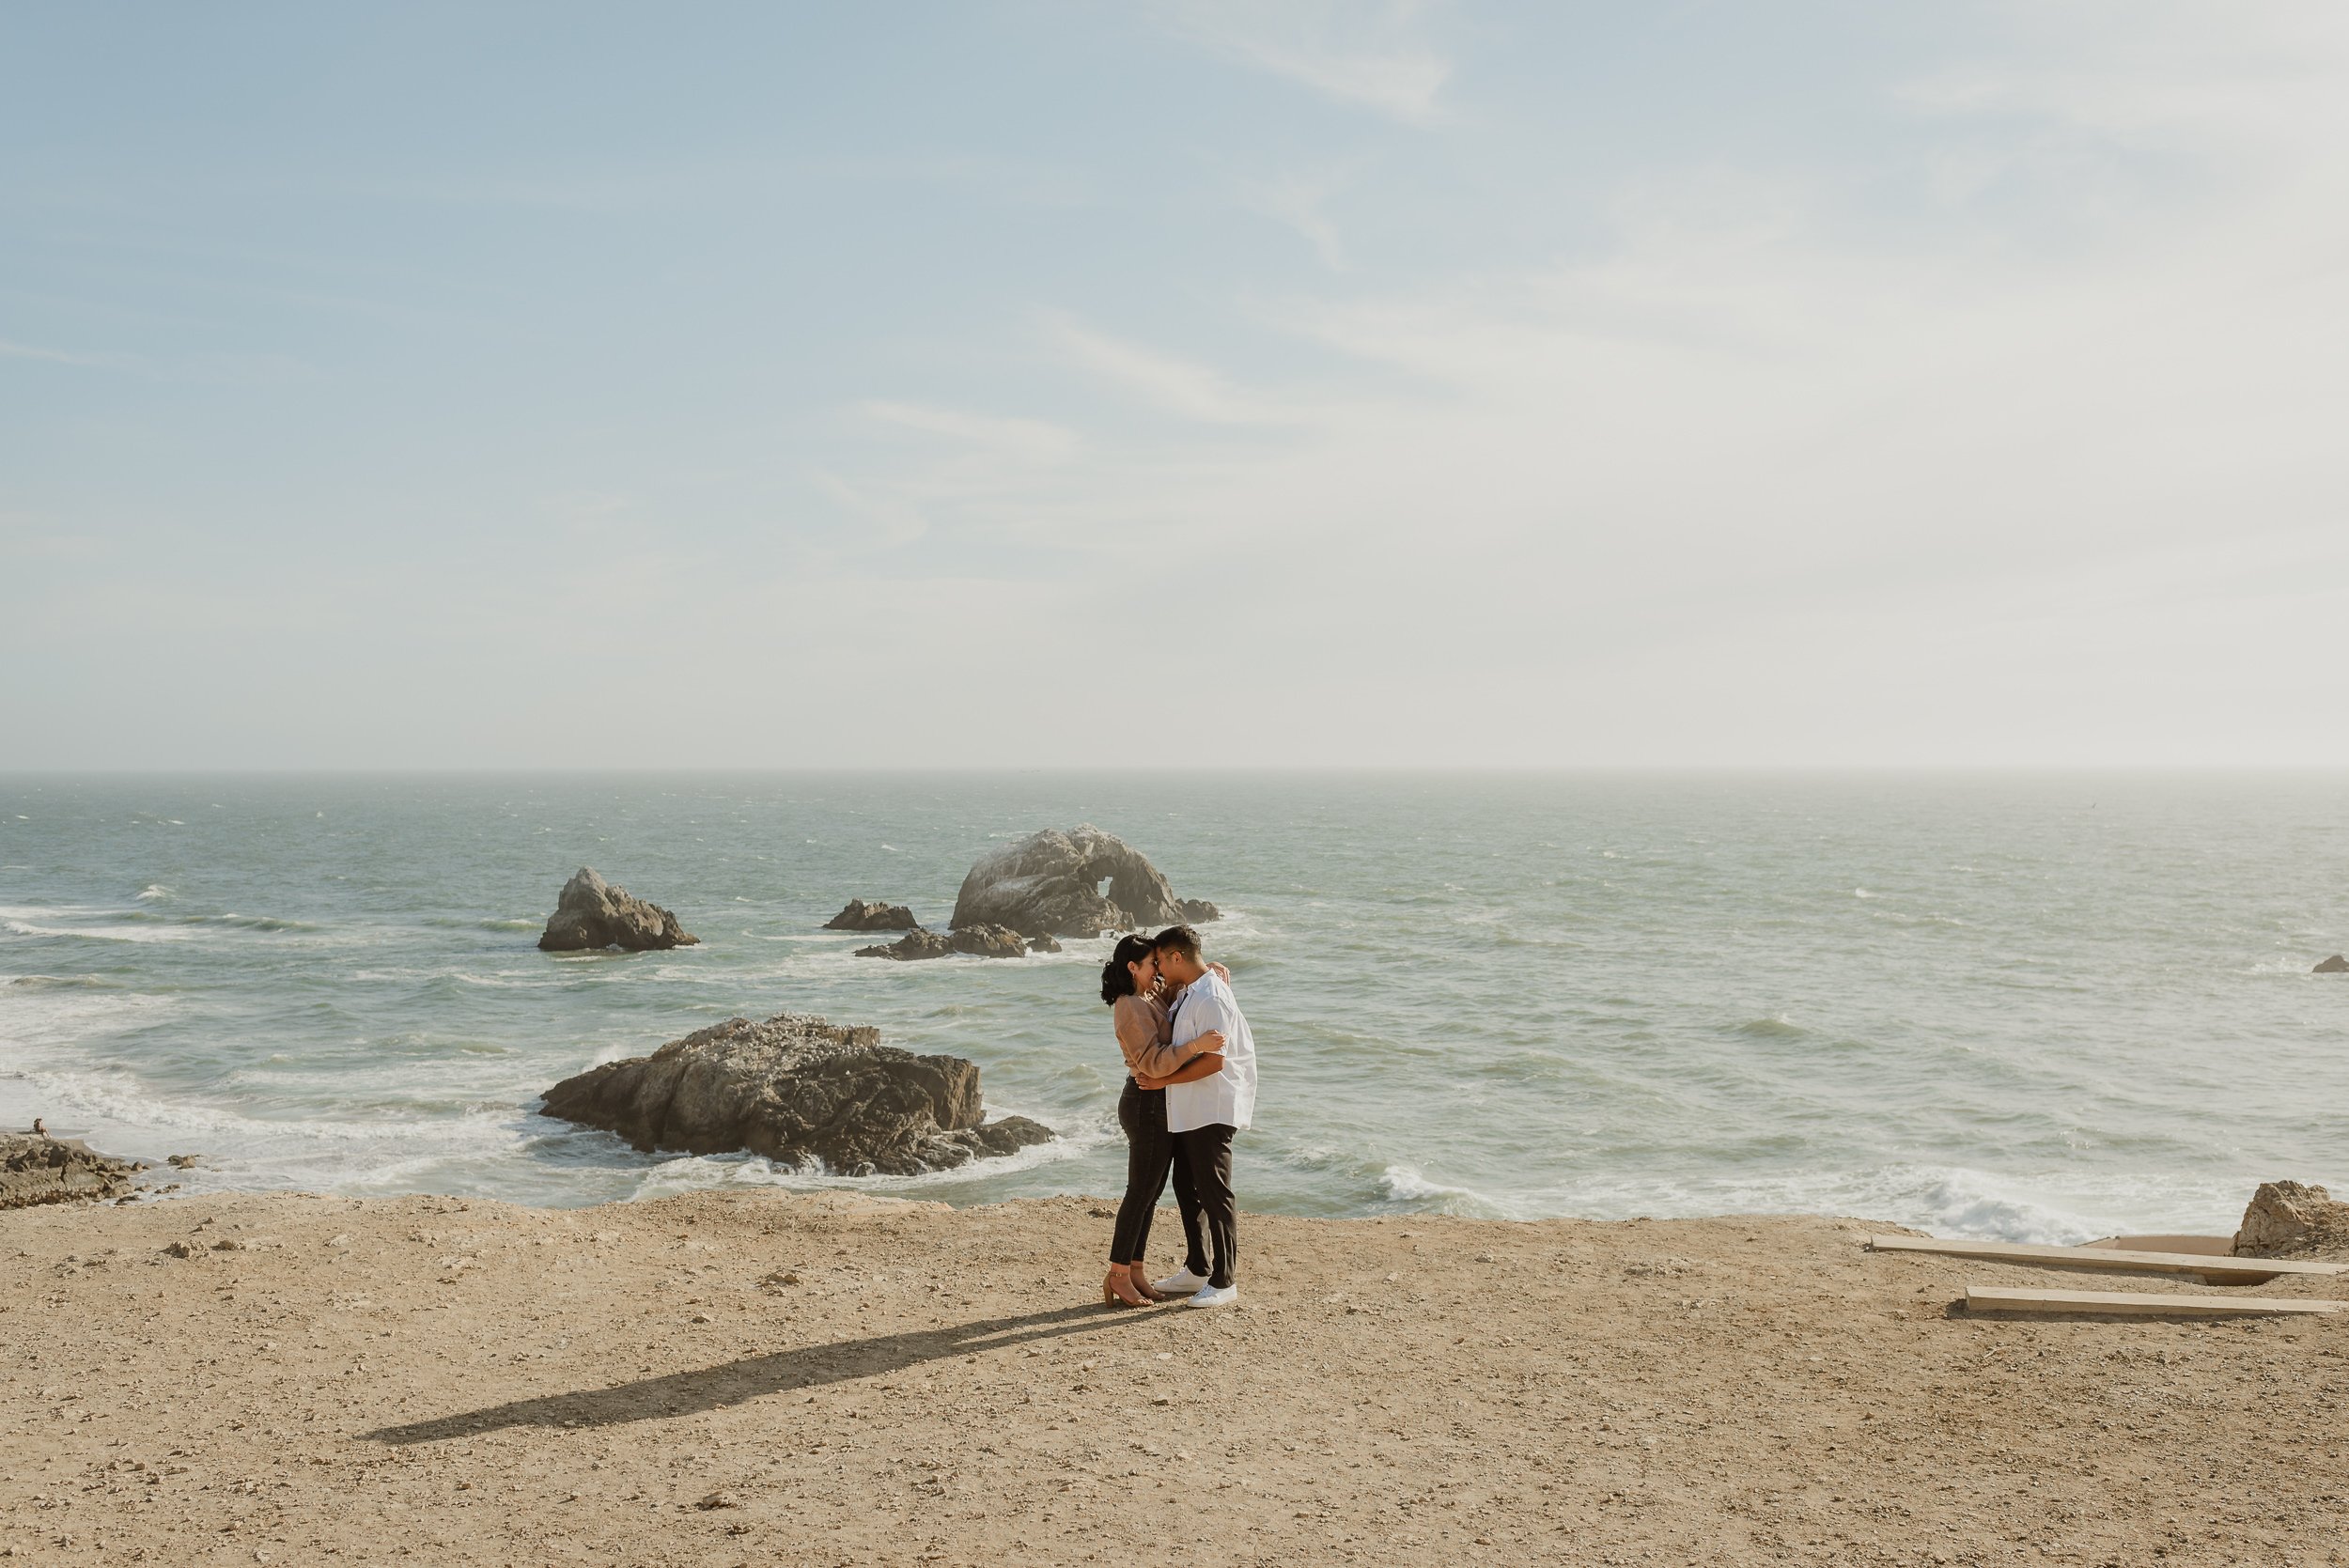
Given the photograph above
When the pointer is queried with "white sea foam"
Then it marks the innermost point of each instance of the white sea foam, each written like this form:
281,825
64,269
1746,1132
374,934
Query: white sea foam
43,923
1405,1184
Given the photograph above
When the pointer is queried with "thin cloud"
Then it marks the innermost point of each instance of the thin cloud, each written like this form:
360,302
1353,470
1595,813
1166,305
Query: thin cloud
1035,442
1362,53
1172,385
898,522
1301,203
67,356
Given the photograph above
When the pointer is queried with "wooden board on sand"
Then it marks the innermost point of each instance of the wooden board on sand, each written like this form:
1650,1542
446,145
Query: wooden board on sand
2126,1303
2231,1271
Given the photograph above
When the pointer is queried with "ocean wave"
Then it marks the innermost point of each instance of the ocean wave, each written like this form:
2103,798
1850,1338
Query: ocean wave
1407,1184
65,983
252,923
64,933
153,890
696,1172
503,980
1775,1028
141,1114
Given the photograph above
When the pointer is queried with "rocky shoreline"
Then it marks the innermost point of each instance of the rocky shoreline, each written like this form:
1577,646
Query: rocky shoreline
38,1169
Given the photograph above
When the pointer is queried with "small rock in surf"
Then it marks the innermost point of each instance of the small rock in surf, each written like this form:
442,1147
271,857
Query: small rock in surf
591,914
871,914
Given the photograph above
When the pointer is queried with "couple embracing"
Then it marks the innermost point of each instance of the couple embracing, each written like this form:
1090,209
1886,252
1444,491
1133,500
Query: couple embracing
1192,1085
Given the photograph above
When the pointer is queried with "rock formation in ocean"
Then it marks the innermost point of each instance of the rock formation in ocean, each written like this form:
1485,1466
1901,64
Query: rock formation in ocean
871,914
1043,944
2336,964
46,1170
1197,912
2287,1220
983,941
592,913
916,944
1078,883
989,941
796,1088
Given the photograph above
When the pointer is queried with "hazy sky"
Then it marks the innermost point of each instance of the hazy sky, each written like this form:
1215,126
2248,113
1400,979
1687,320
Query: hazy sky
952,384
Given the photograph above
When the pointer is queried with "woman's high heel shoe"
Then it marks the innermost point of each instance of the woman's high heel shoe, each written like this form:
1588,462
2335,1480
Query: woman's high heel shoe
1117,1290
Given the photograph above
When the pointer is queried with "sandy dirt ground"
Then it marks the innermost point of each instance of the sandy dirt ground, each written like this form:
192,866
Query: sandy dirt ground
726,1379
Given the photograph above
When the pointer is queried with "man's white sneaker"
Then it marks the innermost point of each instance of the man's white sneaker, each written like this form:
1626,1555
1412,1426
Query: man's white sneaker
1181,1283
1214,1296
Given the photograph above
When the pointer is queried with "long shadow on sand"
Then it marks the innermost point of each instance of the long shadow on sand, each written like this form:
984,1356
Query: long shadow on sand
713,1387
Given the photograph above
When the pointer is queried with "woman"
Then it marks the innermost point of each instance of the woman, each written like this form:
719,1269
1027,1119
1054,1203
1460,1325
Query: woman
1129,984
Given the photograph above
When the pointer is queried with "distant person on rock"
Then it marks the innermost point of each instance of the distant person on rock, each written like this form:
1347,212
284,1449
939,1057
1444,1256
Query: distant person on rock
1206,1112
1138,996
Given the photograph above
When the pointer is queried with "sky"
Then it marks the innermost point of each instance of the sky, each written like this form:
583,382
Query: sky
1190,383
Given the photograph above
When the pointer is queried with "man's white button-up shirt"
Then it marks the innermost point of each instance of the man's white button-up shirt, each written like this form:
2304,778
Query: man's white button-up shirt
1230,1097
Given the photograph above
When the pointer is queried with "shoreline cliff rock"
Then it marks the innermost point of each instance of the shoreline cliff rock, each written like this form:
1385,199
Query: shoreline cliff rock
2289,1219
591,914
38,1169
796,1088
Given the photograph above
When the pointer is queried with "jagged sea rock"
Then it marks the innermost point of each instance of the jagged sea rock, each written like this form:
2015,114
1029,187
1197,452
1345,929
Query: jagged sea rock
871,914
916,944
983,941
796,1088
989,941
46,1170
1198,911
1054,883
592,913
2288,1219
2336,964
1043,944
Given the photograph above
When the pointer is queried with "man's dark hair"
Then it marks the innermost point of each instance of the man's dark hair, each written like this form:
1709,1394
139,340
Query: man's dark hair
1177,938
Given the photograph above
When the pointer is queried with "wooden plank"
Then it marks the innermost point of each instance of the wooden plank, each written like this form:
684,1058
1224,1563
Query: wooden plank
2129,1303
2200,1246
2242,1271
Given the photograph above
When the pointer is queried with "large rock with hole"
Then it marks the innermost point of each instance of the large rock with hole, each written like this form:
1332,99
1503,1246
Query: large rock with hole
2287,1220
871,914
44,1170
1078,883
795,1089
591,914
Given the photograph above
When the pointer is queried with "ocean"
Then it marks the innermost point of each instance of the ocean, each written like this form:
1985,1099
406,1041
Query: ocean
2040,1008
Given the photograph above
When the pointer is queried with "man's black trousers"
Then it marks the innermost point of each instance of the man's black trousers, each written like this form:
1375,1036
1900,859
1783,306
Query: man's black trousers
1206,1154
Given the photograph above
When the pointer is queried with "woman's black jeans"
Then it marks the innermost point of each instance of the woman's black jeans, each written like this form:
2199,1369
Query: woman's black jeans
1150,1156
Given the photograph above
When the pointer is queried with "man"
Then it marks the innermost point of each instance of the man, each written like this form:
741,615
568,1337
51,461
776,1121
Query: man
1203,1115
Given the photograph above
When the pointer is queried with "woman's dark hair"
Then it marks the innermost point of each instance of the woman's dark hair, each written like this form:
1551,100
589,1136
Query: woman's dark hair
1116,979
